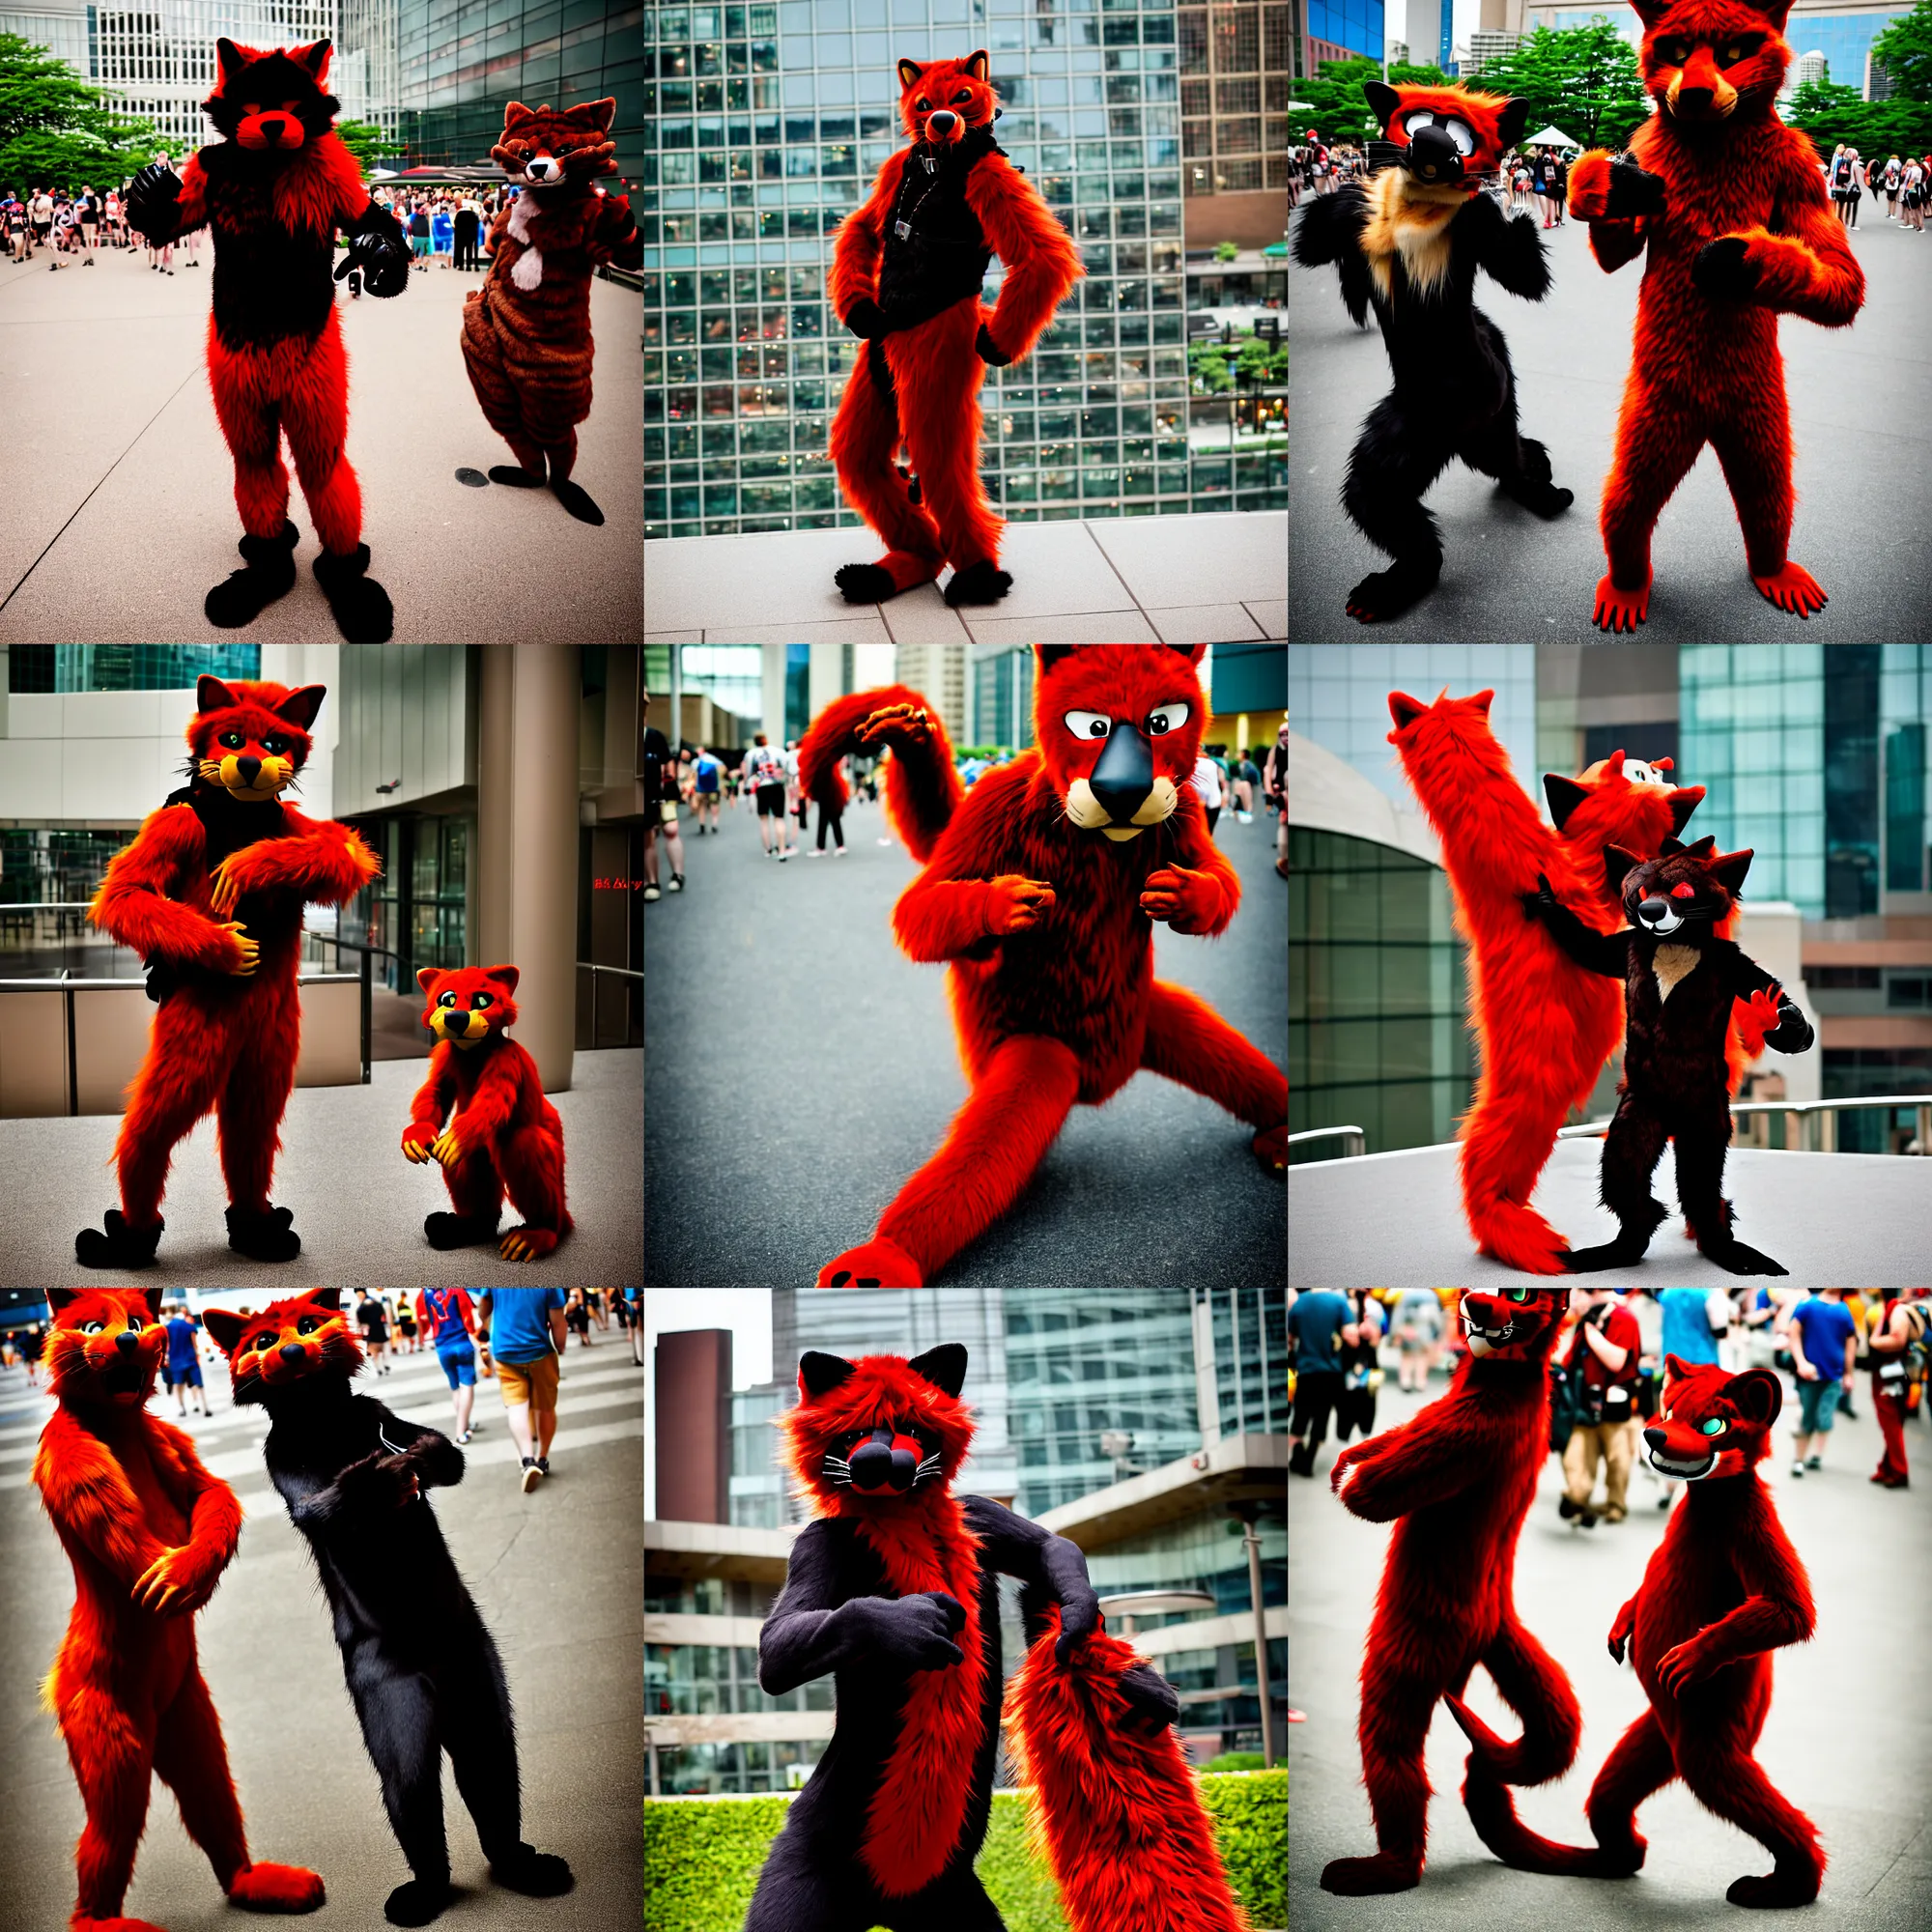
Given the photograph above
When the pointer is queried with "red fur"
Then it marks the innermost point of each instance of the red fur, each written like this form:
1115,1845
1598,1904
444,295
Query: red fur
232,1046
1721,1591
935,366
1119,1812
923,1543
1483,114
149,1532
1068,1018
253,1345
1543,1027
507,1137
1460,1476
1706,368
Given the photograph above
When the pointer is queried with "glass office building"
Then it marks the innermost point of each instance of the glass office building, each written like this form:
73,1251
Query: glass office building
1235,83
127,666
767,124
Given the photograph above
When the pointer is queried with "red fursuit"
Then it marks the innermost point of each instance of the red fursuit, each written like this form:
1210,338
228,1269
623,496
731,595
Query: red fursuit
1119,1811
1040,889
1543,1027
1731,206
1721,1591
149,1532
1457,1479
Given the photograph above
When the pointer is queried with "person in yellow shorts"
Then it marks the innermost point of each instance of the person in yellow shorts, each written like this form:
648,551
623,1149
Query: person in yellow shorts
524,1331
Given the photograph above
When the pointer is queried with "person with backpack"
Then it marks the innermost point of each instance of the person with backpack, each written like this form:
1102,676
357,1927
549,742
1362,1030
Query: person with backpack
1842,179
1890,1338
1605,1352
765,772
1912,194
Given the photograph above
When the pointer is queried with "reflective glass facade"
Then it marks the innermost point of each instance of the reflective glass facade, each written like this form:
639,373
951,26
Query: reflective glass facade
127,666
1355,24
768,124
1235,81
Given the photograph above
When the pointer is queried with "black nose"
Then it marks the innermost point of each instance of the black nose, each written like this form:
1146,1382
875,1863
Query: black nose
291,1351
125,1341
1124,775
456,1023
941,122
1656,1437
249,768
272,126
1653,909
871,1465
1434,156
1694,96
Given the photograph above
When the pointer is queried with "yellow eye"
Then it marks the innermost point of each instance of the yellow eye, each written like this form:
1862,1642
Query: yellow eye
91,1327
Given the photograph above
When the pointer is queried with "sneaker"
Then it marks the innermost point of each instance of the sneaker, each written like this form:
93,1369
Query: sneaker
652,893
678,882
1589,1518
532,1475
840,853
1815,1461
463,1438
1566,1509
1796,1471
1246,818
784,856
814,855
543,1464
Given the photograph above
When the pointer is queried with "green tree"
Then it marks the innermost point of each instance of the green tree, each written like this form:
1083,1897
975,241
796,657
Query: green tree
1340,111
1207,364
1225,251
1905,51
56,130
1583,80
365,141
1830,113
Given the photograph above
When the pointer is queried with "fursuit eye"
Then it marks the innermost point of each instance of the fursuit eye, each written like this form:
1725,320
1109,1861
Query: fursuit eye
1684,891
478,1001
1519,1294
446,1000
234,740
134,1324
1417,121
1166,718
1676,52
1733,55
1714,1427
1459,133
276,745
923,106
1088,723
960,99
90,1327
307,1325
264,1342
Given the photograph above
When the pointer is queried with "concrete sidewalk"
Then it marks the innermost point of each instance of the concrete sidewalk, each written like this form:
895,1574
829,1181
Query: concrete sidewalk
117,508
358,1204
1846,1742
555,1577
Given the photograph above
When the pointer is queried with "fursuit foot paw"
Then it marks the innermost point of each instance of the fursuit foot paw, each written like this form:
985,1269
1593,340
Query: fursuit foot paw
527,1243
1620,610
878,1263
1270,1148
1610,1255
577,500
1736,1258
267,1887
459,1231
1360,1878
120,1247
1544,500
363,613
245,594
1389,593
515,475
1792,588
267,1234
1620,1858
535,1874
80,1922
1773,1890
978,584
864,583
418,1901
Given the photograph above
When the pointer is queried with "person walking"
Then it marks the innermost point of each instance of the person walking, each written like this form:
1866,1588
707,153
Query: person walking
1559,183
525,1337
1247,775
406,1327
1315,1324
185,1360
448,1323
1841,176
1888,179
1603,1361
1207,788
1361,1368
90,223
1824,1348
630,1318
1276,794
33,1344
466,233
707,774
1912,194
1890,1338
660,810
1417,1328
830,815
765,773
375,1323
577,1316
1694,1321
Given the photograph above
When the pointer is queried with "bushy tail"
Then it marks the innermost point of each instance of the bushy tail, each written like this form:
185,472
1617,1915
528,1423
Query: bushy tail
923,789
1117,1812
1492,1811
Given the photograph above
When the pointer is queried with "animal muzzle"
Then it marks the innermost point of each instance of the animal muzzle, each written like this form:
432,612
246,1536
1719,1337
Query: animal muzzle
944,126
1433,157
1124,777
1684,1465
1700,92
541,168
456,1024
885,1462
1659,915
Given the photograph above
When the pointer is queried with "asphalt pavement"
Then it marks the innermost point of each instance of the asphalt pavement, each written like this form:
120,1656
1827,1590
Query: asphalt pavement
117,493
554,1573
799,1068
1846,1742
1860,408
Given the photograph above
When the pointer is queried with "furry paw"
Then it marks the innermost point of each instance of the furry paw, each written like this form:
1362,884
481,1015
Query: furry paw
419,1137
1359,1878
1545,499
1014,904
878,1263
1389,593
575,498
361,606
1724,271
264,1237
417,1902
1598,1260
864,583
1793,588
535,1874
1773,1890
978,584
527,1243
1270,1148
1736,1258
267,1887
81,1923
1620,610
459,1231
515,475
120,1247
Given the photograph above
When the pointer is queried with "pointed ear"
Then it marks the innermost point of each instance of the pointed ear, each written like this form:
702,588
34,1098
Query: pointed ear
1405,709
1756,1395
1618,865
1481,701
1382,101
229,61
59,1297
1050,655
909,73
1705,848
1650,12
1565,795
1730,868
976,66
596,114
1613,765
506,977
1670,848
819,1374
516,111
153,1300
1673,1369
944,1367
300,707
210,693
315,57
425,975
226,1327
1512,121
1193,653
327,1298
1683,801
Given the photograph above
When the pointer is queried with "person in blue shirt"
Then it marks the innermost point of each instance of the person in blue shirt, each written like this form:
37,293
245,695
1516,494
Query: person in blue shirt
1694,1319
1318,1324
524,1341
1824,1341
184,1361
446,1317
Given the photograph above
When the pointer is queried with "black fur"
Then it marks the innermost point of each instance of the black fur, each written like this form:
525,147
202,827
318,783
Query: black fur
1675,1085
1453,394
421,1667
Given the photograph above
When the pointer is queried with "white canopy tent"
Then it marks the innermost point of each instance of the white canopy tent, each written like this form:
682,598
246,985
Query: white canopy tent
1550,137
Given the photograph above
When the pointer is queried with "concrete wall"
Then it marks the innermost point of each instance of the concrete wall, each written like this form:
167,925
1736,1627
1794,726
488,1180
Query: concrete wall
692,1388
407,712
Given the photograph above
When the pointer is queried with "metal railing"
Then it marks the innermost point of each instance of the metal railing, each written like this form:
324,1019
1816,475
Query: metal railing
1811,1126
1355,1140
615,973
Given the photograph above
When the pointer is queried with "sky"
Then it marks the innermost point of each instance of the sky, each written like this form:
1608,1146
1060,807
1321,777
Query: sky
1468,16
746,1311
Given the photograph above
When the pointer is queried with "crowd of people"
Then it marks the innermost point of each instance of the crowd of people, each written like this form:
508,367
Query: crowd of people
1900,181
1607,1373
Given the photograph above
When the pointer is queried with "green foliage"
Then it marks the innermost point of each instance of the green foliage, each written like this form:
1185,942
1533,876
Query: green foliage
365,141
1905,51
1341,111
1236,1761
56,130
702,1861
1583,80
1830,113
1225,251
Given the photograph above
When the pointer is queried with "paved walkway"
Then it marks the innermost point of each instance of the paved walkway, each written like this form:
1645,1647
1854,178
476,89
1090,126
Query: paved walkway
1843,1746
801,1067
1857,419
555,1575
117,508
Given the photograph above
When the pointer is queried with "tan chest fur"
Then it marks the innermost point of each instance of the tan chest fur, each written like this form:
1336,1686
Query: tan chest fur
1670,965
1418,229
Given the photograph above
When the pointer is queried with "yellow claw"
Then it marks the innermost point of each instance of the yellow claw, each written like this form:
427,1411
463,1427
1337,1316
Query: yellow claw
445,1148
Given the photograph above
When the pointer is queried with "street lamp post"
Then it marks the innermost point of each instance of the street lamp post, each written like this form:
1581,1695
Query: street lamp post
1251,1539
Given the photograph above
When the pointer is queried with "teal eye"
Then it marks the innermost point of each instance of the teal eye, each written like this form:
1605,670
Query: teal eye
1519,1294
234,740
1714,1427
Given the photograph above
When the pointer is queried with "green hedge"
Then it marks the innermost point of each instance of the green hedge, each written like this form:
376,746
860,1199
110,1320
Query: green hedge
702,1861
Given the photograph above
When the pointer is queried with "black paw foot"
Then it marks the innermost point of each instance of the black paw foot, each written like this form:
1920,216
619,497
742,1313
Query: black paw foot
578,500
535,1874
1773,1890
1540,499
419,1901
516,478
363,613
1389,593
459,1231
245,594
864,583
978,584
120,1247
473,480
1611,1255
266,1237
1735,1257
